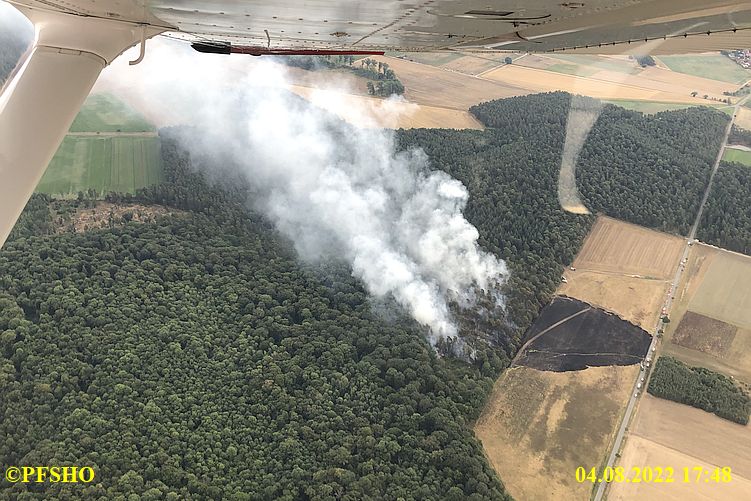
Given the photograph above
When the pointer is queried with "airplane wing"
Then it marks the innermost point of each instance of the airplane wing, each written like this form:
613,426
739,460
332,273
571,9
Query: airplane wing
76,39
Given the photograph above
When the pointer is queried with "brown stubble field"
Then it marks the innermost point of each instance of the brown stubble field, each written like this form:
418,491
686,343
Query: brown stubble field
666,433
433,86
538,427
626,249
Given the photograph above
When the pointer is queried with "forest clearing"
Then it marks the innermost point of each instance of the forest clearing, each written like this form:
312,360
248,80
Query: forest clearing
553,425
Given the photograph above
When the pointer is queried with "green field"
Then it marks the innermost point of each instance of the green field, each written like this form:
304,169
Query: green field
652,107
714,67
120,164
740,156
649,107
110,147
105,113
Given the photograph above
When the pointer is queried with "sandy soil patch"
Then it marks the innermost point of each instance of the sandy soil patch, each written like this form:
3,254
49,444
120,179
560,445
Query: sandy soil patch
626,249
538,427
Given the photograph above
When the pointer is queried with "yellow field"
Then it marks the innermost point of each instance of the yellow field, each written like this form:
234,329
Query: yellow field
725,292
474,65
538,427
366,111
642,453
625,72
637,300
607,86
743,118
622,248
431,86
667,433
711,319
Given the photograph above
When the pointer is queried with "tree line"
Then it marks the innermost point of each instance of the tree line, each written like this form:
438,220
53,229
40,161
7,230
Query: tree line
700,388
726,221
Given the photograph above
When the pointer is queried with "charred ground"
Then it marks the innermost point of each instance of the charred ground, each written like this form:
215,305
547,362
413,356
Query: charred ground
572,335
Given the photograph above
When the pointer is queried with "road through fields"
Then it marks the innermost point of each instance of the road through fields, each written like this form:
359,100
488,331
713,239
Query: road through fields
643,372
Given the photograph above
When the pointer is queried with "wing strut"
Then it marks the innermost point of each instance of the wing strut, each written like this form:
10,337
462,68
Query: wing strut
41,100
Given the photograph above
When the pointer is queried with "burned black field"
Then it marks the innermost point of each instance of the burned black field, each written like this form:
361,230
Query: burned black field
572,335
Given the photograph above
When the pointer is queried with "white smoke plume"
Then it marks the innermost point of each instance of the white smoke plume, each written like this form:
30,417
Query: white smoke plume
332,188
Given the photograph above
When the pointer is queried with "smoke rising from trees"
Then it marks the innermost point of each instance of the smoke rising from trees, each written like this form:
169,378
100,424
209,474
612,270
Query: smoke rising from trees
332,188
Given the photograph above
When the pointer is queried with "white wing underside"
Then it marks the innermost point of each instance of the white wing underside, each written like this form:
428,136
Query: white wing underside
76,39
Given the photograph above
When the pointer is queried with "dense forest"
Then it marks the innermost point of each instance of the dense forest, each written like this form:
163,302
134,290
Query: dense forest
701,388
727,219
739,136
511,172
647,169
195,358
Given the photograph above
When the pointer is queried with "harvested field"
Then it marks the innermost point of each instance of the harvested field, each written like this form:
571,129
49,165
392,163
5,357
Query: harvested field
599,85
637,300
538,427
743,118
427,85
365,111
713,300
640,452
622,248
474,65
725,293
570,335
695,433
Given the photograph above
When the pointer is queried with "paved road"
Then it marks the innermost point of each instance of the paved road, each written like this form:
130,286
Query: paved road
643,372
